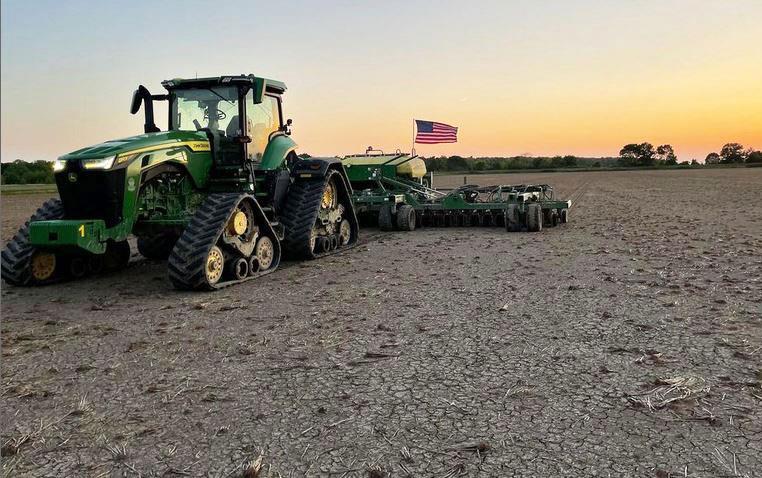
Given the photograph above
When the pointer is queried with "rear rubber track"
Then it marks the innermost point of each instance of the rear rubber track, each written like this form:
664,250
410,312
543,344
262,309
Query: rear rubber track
301,211
187,262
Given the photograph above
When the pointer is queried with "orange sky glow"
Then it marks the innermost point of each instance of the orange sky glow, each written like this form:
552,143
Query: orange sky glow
520,77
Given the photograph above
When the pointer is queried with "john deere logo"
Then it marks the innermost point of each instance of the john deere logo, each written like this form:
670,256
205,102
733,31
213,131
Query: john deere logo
72,177
131,184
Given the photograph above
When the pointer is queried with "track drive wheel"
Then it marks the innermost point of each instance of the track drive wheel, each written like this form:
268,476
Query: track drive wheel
534,217
385,218
406,218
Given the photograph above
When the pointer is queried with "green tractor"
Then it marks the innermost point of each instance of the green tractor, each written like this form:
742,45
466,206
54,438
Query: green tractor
221,194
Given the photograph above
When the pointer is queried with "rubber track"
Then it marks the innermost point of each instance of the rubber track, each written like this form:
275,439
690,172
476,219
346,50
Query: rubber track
301,211
188,258
18,252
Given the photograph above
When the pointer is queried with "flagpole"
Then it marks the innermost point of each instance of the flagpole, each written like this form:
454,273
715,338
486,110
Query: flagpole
412,149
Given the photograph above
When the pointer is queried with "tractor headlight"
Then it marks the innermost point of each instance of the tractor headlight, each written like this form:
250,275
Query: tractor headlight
104,163
58,165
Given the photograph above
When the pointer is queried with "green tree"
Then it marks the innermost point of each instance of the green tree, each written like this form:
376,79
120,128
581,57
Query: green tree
569,161
637,154
754,157
457,163
666,154
732,153
712,158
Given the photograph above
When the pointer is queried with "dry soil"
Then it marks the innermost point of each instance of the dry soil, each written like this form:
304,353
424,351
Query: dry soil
625,343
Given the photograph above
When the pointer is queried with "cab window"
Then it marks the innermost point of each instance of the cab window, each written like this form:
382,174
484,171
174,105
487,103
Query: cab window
262,120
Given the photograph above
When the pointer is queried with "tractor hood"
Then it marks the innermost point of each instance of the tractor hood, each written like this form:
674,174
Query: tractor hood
133,143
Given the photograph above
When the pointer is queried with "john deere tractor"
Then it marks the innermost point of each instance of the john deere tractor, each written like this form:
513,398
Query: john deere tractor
221,194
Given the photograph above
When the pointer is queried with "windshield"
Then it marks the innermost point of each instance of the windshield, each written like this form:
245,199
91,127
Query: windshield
215,108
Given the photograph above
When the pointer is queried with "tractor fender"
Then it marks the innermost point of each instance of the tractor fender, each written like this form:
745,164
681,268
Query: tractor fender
278,148
319,167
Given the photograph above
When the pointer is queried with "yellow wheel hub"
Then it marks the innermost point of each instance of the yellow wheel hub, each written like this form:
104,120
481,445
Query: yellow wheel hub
329,196
215,262
238,223
43,265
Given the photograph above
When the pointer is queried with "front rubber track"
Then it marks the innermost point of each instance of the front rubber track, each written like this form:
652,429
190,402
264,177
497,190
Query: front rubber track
301,211
188,258
16,257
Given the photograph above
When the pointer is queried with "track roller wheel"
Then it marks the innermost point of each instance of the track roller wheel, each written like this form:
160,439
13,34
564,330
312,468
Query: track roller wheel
406,218
215,261
534,217
253,264
239,268
77,267
345,233
95,263
385,218
264,252
323,245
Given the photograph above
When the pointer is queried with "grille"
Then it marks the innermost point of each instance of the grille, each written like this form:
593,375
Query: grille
94,195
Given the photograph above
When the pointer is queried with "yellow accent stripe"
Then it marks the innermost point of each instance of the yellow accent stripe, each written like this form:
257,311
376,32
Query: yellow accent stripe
193,145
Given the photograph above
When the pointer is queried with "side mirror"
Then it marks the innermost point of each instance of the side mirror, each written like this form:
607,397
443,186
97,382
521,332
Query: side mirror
287,126
136,100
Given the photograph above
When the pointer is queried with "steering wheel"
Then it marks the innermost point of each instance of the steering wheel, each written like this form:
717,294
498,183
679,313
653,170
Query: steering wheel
221,115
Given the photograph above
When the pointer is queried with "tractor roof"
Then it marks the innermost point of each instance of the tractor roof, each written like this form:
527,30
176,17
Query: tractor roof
273,86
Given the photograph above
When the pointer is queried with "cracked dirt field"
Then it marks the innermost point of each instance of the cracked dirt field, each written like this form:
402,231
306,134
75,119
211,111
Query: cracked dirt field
625,343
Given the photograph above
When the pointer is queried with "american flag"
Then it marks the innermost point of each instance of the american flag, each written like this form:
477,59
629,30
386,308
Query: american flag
430,132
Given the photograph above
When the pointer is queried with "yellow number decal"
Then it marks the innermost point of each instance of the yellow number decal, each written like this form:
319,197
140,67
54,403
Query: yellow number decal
81,230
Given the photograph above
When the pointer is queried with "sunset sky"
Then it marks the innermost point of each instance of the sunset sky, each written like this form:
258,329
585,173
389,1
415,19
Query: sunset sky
517,77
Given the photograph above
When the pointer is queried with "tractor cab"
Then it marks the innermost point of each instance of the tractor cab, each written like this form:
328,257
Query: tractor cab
238,114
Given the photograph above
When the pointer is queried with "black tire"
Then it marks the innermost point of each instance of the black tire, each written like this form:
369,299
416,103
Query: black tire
157,247
512,218
16,257
534,217
553,219
385,218
300,214
564,216
406,218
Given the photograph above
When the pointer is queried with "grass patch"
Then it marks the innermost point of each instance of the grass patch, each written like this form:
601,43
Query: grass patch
13,189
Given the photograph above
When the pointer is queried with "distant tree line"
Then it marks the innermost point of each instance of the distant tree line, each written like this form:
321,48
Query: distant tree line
460,163
22,172
734,153
631,155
